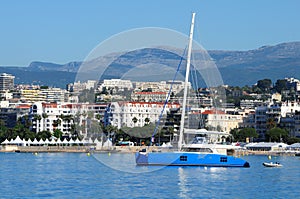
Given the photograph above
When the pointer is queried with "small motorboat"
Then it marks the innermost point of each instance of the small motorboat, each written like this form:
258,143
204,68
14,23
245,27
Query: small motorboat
272,164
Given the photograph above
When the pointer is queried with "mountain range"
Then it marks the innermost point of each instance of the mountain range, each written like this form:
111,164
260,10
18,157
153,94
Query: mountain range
237,68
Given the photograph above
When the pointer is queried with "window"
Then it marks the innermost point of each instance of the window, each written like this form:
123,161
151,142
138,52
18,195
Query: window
223,159
183,158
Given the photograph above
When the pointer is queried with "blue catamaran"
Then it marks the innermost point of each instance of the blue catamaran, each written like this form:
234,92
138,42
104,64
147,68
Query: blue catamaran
200,151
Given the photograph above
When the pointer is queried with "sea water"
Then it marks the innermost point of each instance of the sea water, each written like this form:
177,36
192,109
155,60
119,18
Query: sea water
114,175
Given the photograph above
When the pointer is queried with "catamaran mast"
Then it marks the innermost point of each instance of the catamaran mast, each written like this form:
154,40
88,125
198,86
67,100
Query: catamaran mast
187,72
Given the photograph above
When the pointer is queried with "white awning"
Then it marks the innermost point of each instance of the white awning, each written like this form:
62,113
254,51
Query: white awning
6,142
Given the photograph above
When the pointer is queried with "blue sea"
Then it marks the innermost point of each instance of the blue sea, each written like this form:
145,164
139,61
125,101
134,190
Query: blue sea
114,175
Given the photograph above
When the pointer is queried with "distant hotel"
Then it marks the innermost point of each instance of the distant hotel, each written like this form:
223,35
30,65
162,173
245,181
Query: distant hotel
6,82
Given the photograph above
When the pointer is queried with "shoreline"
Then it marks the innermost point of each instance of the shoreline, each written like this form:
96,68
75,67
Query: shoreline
126,149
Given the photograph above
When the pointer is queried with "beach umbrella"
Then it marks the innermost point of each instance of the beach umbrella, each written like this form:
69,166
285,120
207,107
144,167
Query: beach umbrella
77,141
35,142
24,142
71,141
17,140
47,141
84,142
65,141
164,145
53,142
41,142
5,141
29,142
108,143
58,142
53,137
96,141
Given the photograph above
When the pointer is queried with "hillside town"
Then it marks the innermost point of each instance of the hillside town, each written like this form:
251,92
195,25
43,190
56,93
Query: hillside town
102,110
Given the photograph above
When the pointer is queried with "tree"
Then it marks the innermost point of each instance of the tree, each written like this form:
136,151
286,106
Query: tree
98,117
57,133
87,95
280,85
3,131
147,120
110,131
265,84
43,135
241,135
277,135
134,120
37,118
141,133
271,123
293,140
234,132
44,116
56,123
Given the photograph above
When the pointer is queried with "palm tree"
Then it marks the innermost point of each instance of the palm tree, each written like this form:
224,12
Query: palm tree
134,120
271,123
98,117
111,131
44,116
147,120
26,121
56,123
37,118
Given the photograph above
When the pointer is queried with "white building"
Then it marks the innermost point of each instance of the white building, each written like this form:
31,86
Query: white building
6,95
116,83
134,114
149,96
226,122
44,95
6,81
292,82
55,94
162,86
65,116
246,104
79,86
274,112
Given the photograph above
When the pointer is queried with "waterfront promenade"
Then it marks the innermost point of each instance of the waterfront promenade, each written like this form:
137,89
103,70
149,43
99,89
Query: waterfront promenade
127,149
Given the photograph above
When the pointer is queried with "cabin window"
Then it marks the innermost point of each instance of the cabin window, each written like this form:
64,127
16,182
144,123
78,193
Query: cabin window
223,159
183,158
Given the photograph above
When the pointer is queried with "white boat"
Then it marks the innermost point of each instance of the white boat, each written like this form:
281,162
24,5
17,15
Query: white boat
272,164
200,151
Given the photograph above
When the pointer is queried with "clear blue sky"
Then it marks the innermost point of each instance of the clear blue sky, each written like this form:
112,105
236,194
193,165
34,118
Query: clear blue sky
61,31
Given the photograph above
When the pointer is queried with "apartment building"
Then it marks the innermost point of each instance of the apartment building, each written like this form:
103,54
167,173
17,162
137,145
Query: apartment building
136,114
219,120
44,95
65,116
283,114
6,81
149,96
118,84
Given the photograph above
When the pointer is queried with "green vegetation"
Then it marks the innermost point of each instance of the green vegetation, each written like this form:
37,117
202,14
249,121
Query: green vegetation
277,135
87,96
22,131
242,134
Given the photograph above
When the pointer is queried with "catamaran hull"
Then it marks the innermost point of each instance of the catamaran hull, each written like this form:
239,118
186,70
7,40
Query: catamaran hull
188,159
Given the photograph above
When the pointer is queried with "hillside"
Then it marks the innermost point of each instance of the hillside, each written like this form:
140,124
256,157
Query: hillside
238,68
